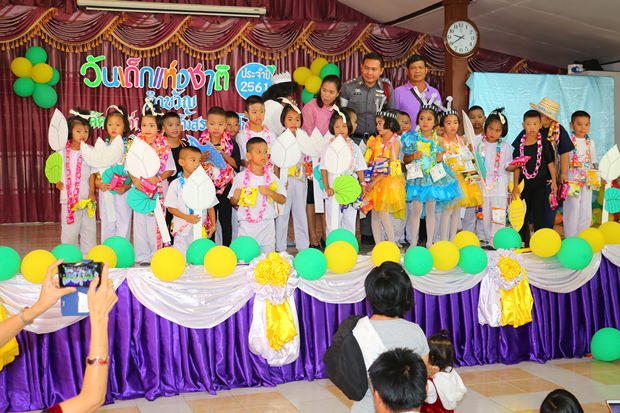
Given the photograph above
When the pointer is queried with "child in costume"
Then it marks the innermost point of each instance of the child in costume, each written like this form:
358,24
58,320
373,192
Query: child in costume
404,120
119,224
296,189
340,124
537,172
386,190
77,188
582,177
472,220
254,191
255,126
460,159
184,217
445,388
173,131
222,177
146,234
428,181
494,155
232,127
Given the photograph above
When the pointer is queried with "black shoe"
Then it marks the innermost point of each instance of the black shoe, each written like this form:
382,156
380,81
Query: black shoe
322,241
317,246
368,240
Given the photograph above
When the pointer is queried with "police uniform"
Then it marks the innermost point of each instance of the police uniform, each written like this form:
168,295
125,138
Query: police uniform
366,102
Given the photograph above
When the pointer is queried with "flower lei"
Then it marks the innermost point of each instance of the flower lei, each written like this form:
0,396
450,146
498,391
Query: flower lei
498,155
554,132
226,175
538,157
434,144
263,207
266,137
575,158
72,195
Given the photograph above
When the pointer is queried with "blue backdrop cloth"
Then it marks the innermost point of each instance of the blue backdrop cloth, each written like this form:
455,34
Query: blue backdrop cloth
515,92
152,357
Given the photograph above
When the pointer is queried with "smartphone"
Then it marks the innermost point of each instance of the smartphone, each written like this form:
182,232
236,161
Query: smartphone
78,275
613,406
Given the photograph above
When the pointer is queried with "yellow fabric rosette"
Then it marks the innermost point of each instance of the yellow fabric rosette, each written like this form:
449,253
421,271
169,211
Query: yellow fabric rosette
517,302
86,204
11,349
274,270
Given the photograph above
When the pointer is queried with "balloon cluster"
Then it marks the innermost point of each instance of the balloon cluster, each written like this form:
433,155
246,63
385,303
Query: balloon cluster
313,77
36,77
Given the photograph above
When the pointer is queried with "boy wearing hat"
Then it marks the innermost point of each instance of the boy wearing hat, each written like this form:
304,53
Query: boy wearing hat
560,141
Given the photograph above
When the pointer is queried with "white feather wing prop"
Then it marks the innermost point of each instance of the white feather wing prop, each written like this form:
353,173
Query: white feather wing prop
58,132
338,156
199,191
103,155
312,145
285,152
609,166
142,160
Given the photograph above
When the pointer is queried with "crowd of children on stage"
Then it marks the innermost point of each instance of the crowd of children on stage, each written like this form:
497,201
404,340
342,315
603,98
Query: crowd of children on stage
406,175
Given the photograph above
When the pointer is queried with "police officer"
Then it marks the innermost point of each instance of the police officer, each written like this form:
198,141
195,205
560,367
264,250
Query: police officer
367,95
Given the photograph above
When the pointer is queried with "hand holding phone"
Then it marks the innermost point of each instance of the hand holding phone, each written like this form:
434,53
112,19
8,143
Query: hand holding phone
79,276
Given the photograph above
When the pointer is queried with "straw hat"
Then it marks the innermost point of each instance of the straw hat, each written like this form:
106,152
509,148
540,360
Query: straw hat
548,108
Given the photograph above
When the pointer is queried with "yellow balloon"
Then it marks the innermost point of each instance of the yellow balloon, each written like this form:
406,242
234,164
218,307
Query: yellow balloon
103,253
220,261
168,264
465,239
42,73
317,65
545,243
313,84
611,232
341,257
385,251
445,255
301,74
35,265
594,237
21,67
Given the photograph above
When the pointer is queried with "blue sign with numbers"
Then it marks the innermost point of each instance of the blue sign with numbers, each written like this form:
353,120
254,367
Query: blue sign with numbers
253,79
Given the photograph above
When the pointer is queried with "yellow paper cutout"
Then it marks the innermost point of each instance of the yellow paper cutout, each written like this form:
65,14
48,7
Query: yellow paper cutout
516,213
248,197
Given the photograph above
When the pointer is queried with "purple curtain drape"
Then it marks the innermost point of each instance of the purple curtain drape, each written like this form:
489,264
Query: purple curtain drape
152,357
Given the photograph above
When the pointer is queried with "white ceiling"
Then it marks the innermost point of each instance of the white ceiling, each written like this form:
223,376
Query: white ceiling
555,32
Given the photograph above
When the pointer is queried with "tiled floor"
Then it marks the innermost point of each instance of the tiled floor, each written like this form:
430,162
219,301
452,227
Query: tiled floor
495,388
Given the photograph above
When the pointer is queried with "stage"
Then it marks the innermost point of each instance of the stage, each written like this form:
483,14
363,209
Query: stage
206,347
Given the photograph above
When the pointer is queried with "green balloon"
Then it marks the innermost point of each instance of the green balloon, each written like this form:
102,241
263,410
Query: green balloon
246,249
36,55
507,238
10,263
306,96
44,96
55,77
605,344
341,234
473,259
310,264
24,86
575,253
329,69
125,254
418,261
68,252
197,250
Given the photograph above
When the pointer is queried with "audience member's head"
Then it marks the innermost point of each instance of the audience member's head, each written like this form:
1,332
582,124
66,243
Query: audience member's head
398,381
389,290
560,401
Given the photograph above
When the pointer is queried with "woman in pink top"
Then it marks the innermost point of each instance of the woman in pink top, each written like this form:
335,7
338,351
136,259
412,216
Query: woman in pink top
316,114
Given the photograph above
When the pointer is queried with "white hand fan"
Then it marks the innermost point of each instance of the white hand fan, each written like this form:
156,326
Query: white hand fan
285,153
199,194
58,132
103,155
142,160
609,168
338,156
310,145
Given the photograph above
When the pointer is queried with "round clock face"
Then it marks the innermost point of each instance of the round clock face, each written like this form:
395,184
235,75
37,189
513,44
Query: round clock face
462,37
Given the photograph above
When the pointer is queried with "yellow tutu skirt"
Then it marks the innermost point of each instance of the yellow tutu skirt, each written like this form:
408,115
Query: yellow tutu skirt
389,195
472,194
10,350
